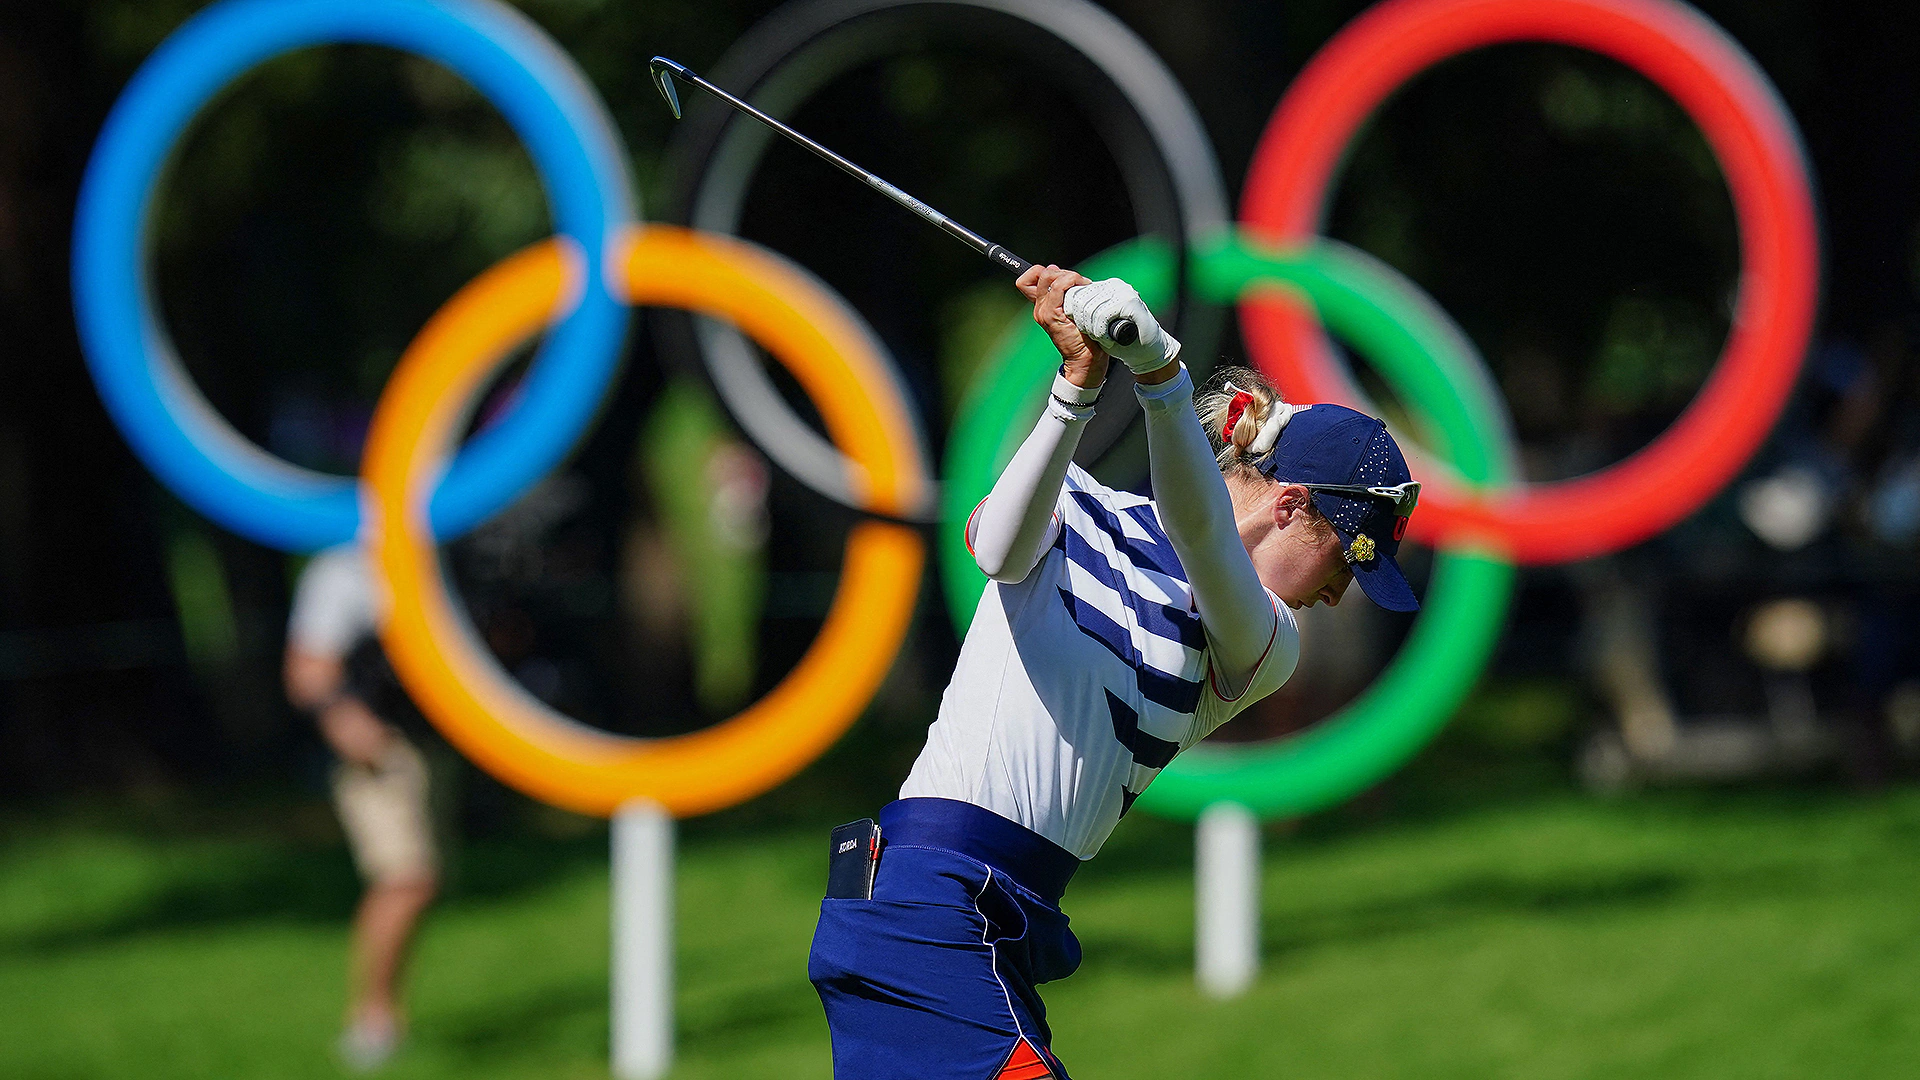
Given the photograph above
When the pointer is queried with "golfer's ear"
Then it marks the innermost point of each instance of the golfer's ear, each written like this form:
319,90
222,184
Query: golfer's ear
1292,499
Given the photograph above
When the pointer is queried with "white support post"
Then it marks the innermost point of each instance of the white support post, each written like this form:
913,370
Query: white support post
1226,900
642,941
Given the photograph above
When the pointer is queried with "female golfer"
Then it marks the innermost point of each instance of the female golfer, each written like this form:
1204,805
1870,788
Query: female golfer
1116,632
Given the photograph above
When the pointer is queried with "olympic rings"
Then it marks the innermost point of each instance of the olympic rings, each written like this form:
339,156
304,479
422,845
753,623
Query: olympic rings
1759,150
572,282
164,417
1429,362
450,674
1164,156
420,491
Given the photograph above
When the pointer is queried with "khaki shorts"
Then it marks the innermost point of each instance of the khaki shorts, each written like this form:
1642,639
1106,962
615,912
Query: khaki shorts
384,813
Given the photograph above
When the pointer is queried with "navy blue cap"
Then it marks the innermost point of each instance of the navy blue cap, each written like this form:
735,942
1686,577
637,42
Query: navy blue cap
1332,444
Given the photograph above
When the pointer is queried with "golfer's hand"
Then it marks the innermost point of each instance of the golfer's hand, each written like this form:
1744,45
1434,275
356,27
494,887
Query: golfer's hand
1094,306
1046,286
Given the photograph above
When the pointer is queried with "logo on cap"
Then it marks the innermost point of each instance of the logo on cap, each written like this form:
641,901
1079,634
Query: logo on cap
1362,549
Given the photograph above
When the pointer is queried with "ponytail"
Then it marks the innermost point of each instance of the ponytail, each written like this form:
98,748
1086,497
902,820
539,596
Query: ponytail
1243,414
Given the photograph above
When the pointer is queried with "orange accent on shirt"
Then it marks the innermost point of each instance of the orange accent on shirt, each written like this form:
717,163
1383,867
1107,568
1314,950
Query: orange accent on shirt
967,533
1025,1063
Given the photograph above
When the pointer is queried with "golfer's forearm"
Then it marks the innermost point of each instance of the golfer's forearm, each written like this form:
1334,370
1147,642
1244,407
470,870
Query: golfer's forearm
1011,529
1197,513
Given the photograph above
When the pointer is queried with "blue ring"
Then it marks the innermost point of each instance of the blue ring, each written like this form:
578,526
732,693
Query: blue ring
172,428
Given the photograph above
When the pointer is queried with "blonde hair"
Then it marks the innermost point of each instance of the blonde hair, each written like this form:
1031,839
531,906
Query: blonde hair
1254,433
1235,451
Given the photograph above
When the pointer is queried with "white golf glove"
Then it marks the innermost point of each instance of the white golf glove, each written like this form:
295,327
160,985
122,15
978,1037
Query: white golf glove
1093,308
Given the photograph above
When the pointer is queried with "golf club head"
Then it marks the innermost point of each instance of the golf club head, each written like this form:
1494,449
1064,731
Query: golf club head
663,72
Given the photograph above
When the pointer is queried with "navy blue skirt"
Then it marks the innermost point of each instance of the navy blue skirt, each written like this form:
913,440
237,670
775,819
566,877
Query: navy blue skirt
934,978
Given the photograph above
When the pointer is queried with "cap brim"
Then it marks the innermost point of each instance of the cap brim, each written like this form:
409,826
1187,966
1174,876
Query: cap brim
1380,578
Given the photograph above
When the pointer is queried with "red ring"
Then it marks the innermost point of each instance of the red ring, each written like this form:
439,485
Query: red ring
1759,151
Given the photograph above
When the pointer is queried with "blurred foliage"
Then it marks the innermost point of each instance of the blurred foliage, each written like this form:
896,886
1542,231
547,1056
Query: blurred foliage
204,602
719,558
974,325
1528,188
1521,716
1650,356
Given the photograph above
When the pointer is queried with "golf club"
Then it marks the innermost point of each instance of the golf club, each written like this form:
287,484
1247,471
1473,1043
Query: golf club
1120,330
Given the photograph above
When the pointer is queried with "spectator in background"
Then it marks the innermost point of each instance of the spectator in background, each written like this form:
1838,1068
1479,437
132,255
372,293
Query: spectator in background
379,788
1841,503
1878,428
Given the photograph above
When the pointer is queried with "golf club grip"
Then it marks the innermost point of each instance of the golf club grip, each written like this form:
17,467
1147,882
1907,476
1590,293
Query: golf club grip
1009,260
1120,330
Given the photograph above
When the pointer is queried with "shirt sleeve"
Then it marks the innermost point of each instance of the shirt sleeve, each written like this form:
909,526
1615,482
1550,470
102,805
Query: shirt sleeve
1012,528
1273,670
334,604
1241,617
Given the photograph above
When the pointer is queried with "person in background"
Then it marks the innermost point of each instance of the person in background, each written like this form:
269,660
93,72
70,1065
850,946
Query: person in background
379,789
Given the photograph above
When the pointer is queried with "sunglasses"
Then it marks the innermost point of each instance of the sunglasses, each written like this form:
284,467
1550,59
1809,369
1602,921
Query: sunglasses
1402,496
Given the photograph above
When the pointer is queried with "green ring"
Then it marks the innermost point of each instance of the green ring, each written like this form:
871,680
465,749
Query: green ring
1428,363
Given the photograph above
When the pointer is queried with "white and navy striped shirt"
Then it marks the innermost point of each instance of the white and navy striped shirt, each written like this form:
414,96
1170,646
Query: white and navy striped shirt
1078,684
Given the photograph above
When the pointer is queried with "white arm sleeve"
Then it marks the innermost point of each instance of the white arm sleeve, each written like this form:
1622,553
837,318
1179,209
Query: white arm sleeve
1235,609
1011,529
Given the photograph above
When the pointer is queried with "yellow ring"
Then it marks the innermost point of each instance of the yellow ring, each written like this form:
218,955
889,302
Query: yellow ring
439,658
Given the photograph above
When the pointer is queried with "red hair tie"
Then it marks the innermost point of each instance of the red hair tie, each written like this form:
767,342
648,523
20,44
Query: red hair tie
1234,409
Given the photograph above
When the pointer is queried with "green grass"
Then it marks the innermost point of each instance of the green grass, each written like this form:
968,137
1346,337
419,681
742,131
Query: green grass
1745,935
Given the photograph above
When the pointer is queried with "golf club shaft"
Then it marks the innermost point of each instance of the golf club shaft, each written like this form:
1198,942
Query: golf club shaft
1120,330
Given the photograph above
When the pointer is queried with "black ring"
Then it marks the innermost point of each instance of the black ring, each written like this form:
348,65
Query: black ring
1166,162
